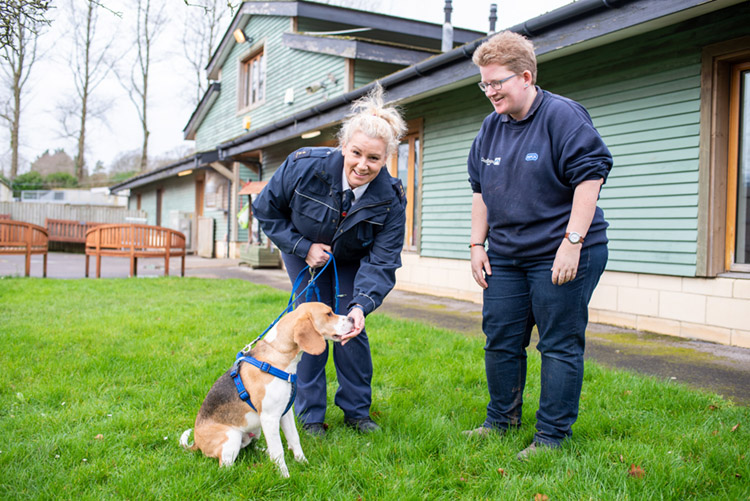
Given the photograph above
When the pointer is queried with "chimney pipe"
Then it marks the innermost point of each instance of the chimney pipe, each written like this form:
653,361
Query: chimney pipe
447,27
493,18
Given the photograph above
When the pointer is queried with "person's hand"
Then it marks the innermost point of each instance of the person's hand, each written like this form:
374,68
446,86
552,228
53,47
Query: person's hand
316,256
565,266
480,264
358,316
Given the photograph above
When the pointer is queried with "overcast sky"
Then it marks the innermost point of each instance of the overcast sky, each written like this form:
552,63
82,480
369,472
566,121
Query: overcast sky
170,106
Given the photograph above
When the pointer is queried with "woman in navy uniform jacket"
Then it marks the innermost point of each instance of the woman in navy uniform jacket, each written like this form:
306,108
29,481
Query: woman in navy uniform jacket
535,168
344,202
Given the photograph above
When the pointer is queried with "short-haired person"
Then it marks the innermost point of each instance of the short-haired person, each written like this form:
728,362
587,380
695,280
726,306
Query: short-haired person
535,169
342,201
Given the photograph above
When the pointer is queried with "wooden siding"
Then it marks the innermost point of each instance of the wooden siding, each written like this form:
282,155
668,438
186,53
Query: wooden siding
647,111
368,71
178,195
451,121
148,205
285,68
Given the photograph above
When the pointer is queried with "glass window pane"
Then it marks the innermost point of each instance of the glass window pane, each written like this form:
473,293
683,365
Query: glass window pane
742,251
403,164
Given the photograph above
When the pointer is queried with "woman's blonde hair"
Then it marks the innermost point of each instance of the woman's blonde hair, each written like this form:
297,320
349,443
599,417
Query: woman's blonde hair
370,116
510,50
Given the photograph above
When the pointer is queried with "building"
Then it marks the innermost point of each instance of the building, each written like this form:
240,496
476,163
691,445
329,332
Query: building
665,82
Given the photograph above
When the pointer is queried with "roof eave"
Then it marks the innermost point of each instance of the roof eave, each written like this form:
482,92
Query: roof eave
200,112
580,30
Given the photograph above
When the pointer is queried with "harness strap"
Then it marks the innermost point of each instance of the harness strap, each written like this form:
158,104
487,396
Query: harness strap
265,367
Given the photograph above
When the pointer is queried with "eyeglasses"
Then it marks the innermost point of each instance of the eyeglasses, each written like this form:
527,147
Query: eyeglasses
495,84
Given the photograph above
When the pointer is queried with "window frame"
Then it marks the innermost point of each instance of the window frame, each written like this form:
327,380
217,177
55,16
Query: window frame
415,133
718,173
244,69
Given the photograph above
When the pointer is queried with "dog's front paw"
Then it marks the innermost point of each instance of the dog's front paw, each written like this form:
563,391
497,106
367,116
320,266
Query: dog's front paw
300,458
284,470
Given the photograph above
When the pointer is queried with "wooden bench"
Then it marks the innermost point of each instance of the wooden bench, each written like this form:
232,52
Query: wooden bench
65,230
4,217
20,238
134,241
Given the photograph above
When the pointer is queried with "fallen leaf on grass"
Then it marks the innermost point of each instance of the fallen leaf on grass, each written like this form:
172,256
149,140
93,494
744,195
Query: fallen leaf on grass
540,497
501,472
622,459
715,432
738,475
636,471
734,428
712,407
99,437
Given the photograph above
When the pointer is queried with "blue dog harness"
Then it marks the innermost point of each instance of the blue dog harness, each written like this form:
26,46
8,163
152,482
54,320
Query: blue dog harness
265,366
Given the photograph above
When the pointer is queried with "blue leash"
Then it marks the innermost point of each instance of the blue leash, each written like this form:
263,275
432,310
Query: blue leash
266,367
309,289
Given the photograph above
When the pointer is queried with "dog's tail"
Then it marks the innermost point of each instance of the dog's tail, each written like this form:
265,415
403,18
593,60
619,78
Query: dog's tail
184,440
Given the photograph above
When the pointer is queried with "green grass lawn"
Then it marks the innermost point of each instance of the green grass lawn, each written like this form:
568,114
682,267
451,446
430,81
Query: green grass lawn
99,378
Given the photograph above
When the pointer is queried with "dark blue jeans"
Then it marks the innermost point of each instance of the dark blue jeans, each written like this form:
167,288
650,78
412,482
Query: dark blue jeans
353,361
520,295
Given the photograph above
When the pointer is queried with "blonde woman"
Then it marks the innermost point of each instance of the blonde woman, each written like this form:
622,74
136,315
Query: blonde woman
341,201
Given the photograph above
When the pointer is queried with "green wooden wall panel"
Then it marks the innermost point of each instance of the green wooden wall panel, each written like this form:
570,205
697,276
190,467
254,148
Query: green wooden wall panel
665,180
637,116
663,246
655,268
648,137
224,121
648,125
451,121
657,202
148,204
369,71
633,171
178,195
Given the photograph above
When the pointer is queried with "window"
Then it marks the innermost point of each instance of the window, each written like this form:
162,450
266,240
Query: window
724,184
406,165
252,85
738,174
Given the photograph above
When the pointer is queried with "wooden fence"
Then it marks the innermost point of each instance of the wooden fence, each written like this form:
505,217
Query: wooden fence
38,213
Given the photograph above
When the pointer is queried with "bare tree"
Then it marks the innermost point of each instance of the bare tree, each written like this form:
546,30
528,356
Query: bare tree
149,24
19,51
90,66
202,27
28,13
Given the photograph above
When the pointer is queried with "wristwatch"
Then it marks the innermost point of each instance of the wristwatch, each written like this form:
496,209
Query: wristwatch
574,238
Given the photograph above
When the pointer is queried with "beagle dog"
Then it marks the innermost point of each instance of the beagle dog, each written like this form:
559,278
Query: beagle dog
225,423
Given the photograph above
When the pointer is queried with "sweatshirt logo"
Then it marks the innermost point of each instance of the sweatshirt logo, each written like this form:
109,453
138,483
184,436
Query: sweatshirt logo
532,157
490,161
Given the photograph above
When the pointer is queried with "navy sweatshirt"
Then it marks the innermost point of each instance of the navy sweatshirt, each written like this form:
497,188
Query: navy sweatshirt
527,171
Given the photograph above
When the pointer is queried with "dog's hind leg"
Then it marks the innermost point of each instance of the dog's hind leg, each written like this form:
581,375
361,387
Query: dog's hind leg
292,436
231,448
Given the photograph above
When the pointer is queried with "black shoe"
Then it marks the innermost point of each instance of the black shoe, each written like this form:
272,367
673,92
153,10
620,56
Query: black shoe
363,425
315,429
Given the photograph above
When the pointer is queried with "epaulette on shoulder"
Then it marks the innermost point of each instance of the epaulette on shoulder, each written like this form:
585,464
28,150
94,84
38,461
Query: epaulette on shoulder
312,152
398,187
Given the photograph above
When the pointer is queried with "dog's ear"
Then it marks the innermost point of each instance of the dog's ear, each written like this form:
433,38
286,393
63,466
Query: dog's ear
307,336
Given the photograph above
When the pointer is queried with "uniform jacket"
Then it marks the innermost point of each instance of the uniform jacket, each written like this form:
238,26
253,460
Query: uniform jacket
301,206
